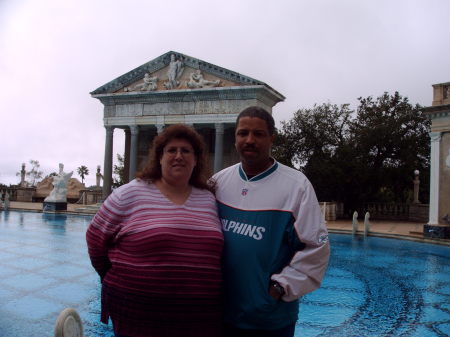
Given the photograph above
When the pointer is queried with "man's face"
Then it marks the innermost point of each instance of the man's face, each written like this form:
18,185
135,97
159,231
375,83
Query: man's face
253,142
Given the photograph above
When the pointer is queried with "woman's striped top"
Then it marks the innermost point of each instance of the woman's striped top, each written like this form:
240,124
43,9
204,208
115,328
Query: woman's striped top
159,262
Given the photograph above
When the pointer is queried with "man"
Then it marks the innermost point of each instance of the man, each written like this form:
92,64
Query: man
276,243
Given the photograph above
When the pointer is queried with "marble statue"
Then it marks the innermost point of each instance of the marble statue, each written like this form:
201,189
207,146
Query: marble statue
98,176
149,84
176,68
59,192
6,201
23,183
197,81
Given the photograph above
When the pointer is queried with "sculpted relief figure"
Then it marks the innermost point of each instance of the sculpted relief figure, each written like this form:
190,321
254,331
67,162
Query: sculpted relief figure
59,192
176,68
197,81
149,84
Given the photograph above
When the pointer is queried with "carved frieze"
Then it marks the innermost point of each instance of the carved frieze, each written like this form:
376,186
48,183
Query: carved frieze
196,80
149,83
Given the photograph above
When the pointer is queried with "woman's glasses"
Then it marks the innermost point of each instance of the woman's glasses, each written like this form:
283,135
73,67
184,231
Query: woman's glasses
173,151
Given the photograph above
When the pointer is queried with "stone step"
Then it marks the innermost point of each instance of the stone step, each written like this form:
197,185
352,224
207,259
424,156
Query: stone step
90,209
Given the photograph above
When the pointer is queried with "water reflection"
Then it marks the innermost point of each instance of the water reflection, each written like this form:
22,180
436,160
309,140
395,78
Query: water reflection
6,215
56,222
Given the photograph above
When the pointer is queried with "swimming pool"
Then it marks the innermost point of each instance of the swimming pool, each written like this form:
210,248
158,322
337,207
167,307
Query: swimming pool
380,287
373,286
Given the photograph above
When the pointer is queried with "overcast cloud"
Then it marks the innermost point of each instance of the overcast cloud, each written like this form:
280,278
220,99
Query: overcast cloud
53,53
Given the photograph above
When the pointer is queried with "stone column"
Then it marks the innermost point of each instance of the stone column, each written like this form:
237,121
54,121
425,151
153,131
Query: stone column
134,129
159,128
107,166
126,156
434,178
218,148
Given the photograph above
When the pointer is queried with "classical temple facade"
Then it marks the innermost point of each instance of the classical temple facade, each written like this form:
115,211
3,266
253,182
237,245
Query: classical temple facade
439,114
176,88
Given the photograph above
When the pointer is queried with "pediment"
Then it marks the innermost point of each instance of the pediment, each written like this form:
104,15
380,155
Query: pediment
175,71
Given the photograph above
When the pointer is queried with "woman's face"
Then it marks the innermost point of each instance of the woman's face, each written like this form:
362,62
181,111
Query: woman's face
177,161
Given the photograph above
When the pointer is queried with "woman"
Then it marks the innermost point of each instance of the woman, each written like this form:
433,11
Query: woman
156,243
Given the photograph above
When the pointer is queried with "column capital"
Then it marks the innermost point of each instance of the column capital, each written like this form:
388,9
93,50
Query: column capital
134,129
220,127
159,128
109,128
435,136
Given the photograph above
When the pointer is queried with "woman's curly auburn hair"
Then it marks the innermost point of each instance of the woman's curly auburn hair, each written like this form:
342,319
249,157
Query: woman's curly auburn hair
200,174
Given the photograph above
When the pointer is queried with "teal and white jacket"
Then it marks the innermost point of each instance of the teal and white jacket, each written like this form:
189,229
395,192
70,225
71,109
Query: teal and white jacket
274,230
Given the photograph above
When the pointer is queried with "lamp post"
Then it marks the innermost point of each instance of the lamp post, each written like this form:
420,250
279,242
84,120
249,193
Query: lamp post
416,187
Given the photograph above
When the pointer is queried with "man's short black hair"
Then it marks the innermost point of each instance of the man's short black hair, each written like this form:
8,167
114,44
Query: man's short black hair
256,111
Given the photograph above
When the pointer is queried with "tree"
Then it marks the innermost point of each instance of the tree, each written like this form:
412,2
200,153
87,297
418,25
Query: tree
315,132
313,139
367,155
391,138
34,174
119,172
82,172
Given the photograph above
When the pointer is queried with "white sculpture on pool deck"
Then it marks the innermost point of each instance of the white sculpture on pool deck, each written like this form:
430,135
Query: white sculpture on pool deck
59,192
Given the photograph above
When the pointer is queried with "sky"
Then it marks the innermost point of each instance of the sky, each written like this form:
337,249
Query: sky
53,53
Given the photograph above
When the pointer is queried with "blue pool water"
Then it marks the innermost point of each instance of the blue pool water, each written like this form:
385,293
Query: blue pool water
373,286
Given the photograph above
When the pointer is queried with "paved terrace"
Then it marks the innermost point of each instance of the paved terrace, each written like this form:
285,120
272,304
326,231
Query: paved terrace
400,229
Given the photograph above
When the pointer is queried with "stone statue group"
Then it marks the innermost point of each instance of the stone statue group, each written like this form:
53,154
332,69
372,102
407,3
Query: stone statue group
174,72
60,181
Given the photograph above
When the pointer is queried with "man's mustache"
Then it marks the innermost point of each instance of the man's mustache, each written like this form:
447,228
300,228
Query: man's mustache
249,148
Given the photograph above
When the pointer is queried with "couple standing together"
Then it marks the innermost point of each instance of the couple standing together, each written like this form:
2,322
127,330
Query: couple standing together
181,256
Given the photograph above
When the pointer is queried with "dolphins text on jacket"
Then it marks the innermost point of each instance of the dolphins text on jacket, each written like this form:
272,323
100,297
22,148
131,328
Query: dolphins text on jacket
255,232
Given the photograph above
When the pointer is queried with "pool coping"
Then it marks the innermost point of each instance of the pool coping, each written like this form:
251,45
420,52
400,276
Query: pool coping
414,238
396,231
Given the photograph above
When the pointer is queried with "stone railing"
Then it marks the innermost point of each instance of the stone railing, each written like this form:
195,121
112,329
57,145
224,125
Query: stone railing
89,197
396,211
332,210
387,211
12,191
29,194
378,211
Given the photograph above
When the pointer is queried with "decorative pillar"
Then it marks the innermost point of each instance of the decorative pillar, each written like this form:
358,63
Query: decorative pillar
159,128
416,182
126,157
107,166
435,138
134,129
218,148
